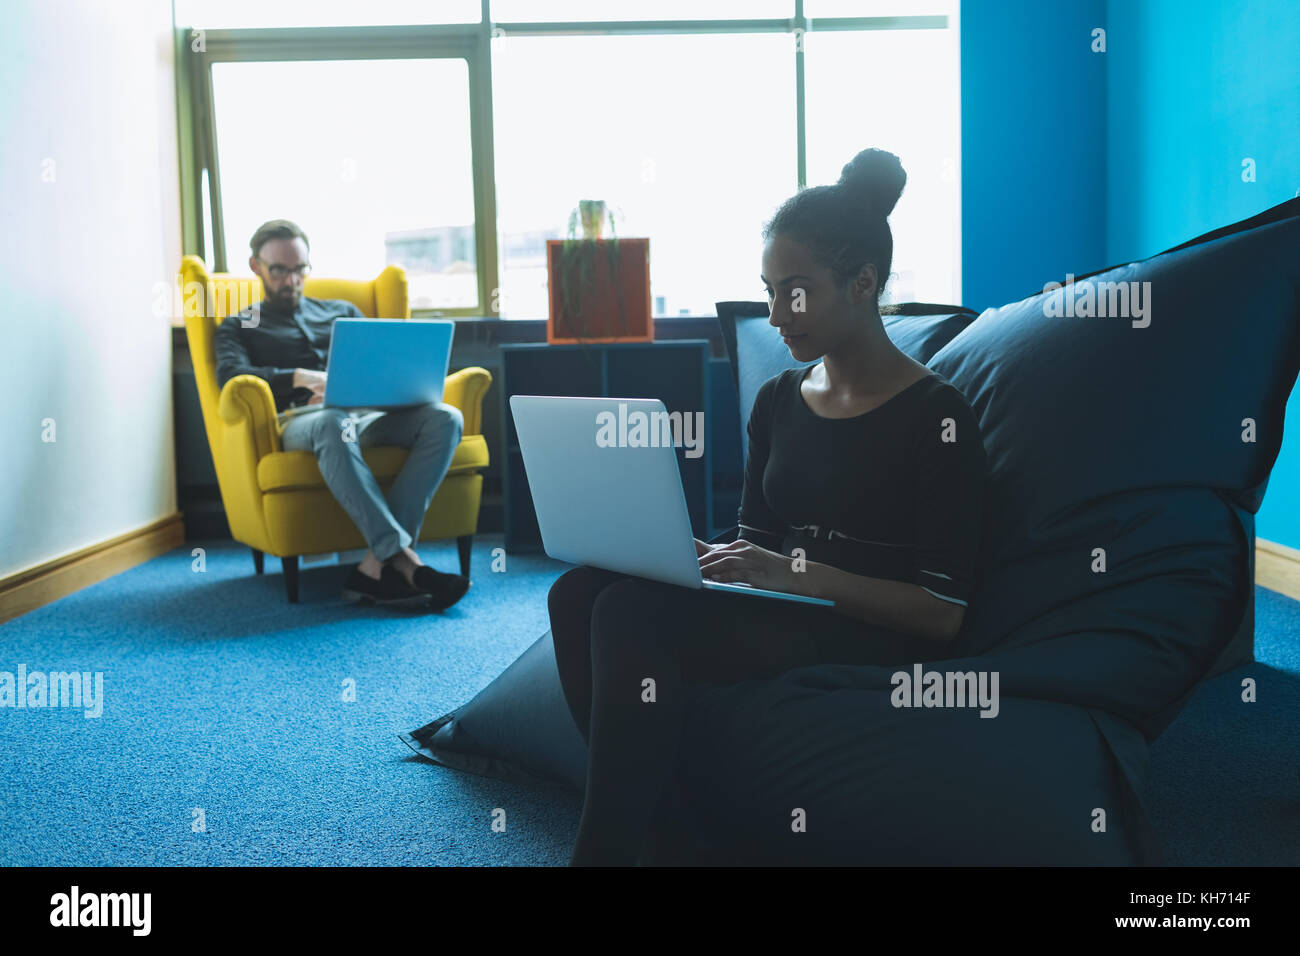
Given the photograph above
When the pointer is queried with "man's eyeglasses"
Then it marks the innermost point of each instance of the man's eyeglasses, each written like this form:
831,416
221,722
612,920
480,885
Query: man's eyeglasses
279,272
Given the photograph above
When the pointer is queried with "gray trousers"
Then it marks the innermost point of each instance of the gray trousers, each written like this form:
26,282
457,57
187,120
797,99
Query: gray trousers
337,435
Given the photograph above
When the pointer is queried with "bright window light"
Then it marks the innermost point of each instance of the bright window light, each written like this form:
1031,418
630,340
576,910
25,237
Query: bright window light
896,90
370,157
251,14
550,11
696,156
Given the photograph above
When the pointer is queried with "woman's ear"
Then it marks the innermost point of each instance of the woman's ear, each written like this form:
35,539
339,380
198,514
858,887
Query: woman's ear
863,286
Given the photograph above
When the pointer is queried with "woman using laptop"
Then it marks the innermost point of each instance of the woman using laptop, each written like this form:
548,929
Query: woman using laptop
864,485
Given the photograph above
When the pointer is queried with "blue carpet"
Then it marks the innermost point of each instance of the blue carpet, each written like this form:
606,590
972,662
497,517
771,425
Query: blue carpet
219,695
1225,776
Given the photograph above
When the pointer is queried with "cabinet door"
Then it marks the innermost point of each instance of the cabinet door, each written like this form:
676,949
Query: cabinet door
548,370
538,370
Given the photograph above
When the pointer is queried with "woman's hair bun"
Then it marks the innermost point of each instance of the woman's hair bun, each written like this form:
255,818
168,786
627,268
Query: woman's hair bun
875,179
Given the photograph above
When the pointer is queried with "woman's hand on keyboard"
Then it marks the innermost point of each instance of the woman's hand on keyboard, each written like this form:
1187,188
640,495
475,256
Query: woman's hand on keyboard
743,562
703,547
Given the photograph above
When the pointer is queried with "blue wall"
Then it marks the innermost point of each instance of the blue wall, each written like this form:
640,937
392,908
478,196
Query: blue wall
1033,155
1196,86
1074,161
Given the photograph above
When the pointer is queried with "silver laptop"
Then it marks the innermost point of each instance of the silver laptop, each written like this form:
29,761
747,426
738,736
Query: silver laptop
384,363
604,502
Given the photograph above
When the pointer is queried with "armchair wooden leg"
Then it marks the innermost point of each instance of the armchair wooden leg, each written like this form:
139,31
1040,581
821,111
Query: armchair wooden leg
257,559
290,566
463,545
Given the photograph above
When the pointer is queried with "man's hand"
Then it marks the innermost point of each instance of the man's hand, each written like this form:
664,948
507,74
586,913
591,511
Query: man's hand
744,562
313,379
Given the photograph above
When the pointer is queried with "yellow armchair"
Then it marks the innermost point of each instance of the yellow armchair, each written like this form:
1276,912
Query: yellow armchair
276,501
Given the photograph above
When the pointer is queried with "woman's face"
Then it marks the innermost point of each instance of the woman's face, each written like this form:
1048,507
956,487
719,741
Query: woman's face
810,308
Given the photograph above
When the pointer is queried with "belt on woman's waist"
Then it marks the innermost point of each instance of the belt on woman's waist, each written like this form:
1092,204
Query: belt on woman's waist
822,533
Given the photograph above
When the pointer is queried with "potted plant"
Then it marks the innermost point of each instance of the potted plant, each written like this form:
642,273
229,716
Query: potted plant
599,288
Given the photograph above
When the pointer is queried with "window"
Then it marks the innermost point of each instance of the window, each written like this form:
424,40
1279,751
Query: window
250,14
687,138
557,10
369,135
878,8
897,90
370,157
207,220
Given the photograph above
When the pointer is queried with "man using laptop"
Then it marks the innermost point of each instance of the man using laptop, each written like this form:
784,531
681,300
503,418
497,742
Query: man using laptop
285,339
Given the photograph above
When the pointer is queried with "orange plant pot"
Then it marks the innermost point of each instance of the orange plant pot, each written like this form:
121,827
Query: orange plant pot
597,318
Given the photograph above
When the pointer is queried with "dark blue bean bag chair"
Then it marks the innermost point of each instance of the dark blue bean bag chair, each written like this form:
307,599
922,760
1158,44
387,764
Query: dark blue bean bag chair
1128,456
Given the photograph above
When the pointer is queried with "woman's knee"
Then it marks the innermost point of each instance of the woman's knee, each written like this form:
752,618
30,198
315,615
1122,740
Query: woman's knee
569,603
623,597
634,611
578,587
571,588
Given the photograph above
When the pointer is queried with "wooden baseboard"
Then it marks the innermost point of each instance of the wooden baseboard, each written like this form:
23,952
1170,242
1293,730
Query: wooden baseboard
1277,568
39,586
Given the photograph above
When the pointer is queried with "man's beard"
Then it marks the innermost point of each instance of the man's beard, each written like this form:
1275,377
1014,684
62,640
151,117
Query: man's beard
286,299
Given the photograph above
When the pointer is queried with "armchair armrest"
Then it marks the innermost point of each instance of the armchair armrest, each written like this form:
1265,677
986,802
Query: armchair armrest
465,389
246,401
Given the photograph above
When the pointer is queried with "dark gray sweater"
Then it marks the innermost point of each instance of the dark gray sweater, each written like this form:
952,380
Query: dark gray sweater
279,343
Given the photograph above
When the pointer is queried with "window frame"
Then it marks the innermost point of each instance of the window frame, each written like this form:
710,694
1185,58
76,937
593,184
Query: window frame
471,42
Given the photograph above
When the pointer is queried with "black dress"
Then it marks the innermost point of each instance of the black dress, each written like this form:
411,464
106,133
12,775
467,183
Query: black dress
896,493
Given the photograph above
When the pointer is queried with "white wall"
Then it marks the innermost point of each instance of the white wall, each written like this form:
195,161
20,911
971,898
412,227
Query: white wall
89,222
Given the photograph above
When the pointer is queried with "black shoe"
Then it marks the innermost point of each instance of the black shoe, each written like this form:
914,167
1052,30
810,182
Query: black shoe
443,589
391,588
